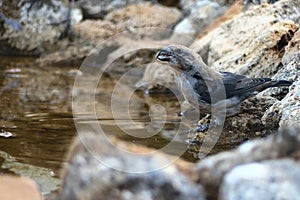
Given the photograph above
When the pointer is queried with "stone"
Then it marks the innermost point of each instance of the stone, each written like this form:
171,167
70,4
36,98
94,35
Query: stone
144,15
287,111
26,188
248,3
187,5
97,9
42,26
94,172
210,171
202,13
252,43
278,179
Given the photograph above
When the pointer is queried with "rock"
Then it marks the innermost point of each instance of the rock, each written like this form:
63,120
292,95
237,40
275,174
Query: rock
93,172
211,171
252,43
287,111
27,189
202,13
139,22
248,3
279,179
245,125
291,49
188,5
144,15
42,26
86,36
97,9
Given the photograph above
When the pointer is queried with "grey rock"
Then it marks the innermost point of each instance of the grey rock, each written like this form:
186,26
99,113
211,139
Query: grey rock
287,111
202,13
187,5
97,9
42,26
211,171
268,180
248,3
93,173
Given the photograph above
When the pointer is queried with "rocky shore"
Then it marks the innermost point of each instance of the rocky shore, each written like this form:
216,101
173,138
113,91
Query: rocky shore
257,38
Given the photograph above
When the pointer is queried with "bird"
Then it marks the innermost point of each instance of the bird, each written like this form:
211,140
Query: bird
204,87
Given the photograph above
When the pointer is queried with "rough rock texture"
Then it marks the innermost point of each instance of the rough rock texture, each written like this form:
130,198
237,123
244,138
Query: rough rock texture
42,26
86,35
99,8
135,20
202,13
279,179
211,171
187,5
144,15
288,108
94,174
253,43
27,189
249,3
245,125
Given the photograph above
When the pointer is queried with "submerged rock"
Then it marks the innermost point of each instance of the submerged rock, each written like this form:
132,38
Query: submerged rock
93,172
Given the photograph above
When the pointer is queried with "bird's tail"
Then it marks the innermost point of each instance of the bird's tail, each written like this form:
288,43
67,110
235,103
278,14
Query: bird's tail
280,83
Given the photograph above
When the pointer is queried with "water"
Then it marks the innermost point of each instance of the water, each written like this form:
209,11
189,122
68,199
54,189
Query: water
36,108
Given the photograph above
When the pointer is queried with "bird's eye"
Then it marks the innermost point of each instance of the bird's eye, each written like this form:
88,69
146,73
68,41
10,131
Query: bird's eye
163,56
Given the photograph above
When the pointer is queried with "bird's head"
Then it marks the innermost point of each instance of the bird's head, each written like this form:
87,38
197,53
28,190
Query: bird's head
178,57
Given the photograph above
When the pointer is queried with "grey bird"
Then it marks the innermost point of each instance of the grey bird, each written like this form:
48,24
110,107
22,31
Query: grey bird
203,86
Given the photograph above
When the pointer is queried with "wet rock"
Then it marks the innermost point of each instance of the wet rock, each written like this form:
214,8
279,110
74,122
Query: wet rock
245,125
287,111
27,189
42,26
43,177
211,171
253,42
202,13
278,179
93,172
144,15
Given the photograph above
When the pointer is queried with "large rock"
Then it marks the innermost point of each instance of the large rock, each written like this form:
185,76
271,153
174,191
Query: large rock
144,15
211,171
287,111
93,172
97,9
42,27
201,15
253,43
279,179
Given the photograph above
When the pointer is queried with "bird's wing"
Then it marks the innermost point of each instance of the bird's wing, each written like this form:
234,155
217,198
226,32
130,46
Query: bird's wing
236,85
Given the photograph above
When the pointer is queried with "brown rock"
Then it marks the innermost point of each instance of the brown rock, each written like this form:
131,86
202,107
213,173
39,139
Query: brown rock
144,15
252,43
18,188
